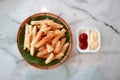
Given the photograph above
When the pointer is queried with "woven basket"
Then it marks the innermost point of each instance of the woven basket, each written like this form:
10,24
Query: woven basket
34,61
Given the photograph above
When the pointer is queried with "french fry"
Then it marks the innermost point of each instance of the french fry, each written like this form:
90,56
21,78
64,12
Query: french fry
58,56
29,41
45,40
41,22
38,36
29,37
46,56
55,40
50,23
34,41
32,50
30,29
34,22
38,26
65,47
53,45
57,32
34,32
41,48
45,30
62,41
49,48
57,47
41,53
26,36
49,59
54,25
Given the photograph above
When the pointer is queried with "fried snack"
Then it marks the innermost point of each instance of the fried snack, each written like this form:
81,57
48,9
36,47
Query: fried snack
57,32
62,41
46,56
49,48
45,30
32,50
53,45
44,40
36,39
48,22
41,48
57,47
65,47
60,35
34,32
49,59
39,35
54,25
26,36
40,22
29,37
38,26
59,55
41,53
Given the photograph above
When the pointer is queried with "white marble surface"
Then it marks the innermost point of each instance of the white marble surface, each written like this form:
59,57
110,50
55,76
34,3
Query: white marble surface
101,14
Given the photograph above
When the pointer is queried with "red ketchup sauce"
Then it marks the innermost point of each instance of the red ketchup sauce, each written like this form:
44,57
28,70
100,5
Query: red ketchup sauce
83,41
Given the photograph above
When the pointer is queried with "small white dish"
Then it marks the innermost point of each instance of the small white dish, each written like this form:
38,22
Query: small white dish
87,31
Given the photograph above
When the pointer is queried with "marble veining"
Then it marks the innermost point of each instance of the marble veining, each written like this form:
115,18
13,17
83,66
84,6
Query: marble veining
88,13
101,14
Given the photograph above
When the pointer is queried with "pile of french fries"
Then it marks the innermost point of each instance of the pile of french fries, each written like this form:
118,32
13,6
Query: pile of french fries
47,38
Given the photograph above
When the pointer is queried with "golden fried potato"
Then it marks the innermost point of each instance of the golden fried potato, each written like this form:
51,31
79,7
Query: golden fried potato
34,32
55,40
57,47
48,22
41,48
59,55
57,32
34,41
49,48
45,30
29,36
49,59
41,53
44,40
62,41
26,36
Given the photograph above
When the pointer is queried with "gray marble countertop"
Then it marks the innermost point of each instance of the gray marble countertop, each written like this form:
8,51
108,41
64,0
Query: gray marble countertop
101,14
